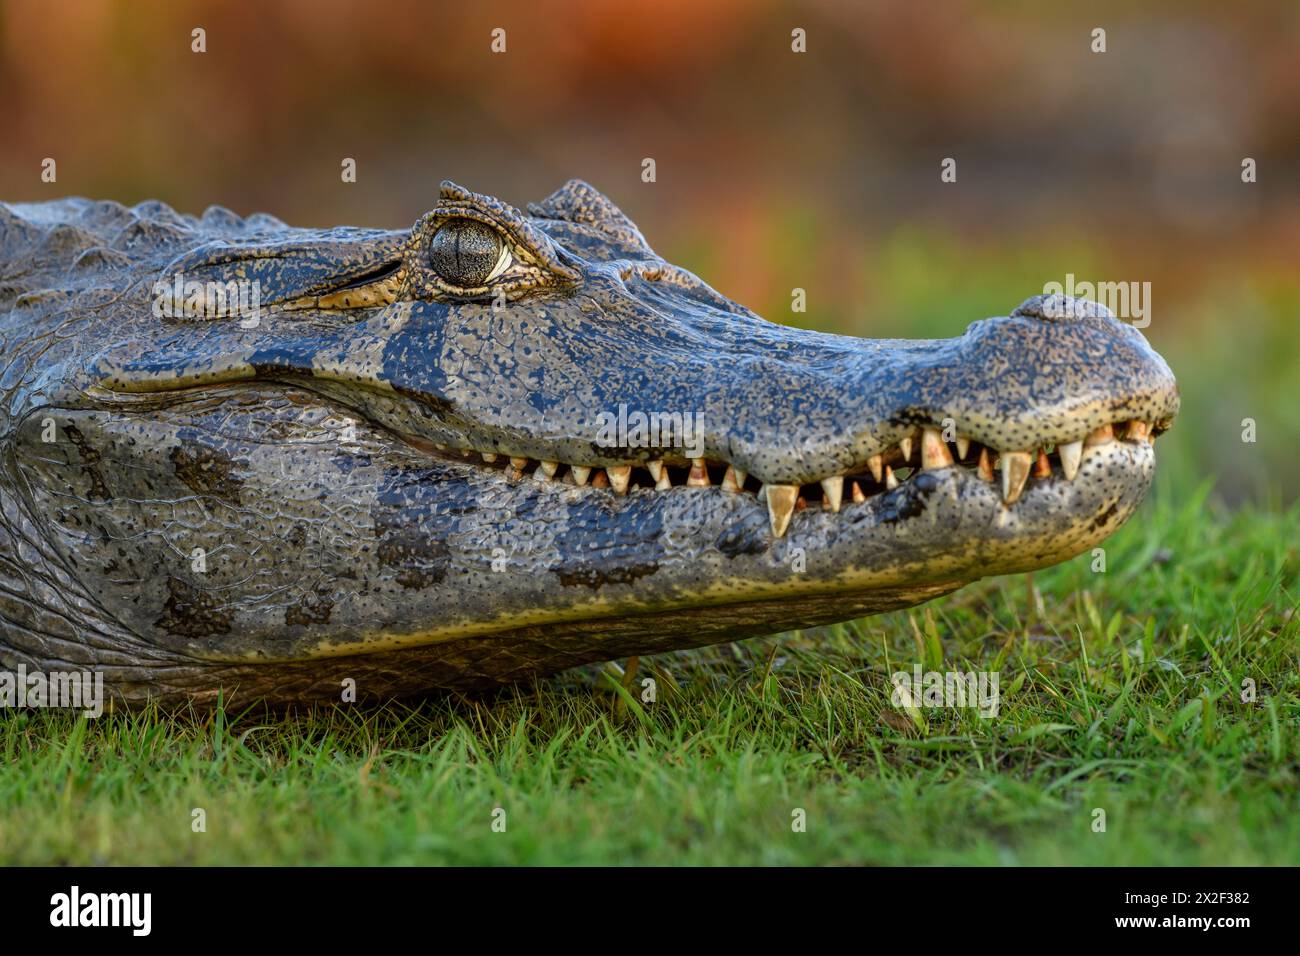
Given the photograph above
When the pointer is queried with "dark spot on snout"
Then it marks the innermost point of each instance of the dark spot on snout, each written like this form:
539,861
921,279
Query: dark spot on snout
1105,517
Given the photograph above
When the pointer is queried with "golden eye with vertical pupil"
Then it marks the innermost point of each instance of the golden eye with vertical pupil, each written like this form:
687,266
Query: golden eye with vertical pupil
467,253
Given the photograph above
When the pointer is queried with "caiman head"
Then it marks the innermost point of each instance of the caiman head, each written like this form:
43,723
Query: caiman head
500,444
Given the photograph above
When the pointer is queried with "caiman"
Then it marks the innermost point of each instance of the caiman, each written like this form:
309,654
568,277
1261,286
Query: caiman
250,459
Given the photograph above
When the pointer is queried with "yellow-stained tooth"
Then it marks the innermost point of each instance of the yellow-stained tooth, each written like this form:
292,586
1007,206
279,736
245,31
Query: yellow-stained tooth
1104,434
619,475
890,481
876,463
1015,467
858,496
780,506
934,450
833,488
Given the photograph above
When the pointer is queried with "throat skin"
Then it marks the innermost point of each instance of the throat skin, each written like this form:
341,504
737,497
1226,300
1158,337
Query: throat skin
400,470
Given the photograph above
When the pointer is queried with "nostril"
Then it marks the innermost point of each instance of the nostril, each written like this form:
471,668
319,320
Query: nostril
1056,307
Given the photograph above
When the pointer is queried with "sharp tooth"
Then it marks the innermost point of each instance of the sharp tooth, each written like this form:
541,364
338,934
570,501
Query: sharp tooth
985,468
598,480
656,469
549,468
963,446
580,474
731,481
489,457
800,504
699,476
664,481
906,445
876,463
858,496
934,450
518,464
1070,455
740,478
1104,434
1137,431
1042,467
890,481
618,478
780,506
1015,467
833,489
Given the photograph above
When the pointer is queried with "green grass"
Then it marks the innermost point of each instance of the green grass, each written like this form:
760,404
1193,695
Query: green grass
1122,692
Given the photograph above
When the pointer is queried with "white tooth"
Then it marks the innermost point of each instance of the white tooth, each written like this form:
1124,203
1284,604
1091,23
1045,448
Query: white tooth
858,496
780,506
489,457
906,445
934,450
1070,456
656,469
890,481
740,477
699,476
833,488
664,481
1103,435
549,468
730,481
580,474
618,478
963,446
1015,467
876,463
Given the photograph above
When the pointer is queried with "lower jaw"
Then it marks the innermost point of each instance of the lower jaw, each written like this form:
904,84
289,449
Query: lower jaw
940,530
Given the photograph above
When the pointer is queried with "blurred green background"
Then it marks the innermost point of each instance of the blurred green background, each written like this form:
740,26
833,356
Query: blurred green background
775,170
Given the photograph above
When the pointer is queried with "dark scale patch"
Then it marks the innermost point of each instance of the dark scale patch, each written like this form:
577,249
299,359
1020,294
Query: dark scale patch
206,471
595,576
751,537
420,561
311,609
1105,517
190,612
346,461
90,459
909,500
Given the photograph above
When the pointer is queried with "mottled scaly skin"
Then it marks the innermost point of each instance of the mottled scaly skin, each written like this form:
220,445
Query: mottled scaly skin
268,505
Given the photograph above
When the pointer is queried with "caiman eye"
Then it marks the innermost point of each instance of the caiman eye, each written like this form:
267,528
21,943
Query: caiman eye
468,253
